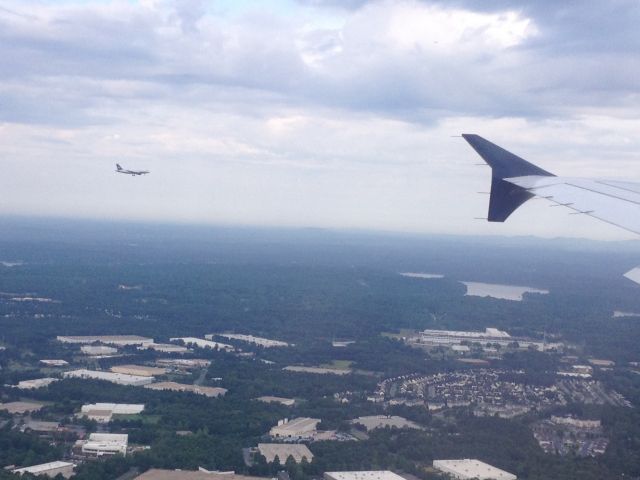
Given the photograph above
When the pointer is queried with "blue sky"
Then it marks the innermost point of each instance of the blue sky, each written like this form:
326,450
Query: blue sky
311,112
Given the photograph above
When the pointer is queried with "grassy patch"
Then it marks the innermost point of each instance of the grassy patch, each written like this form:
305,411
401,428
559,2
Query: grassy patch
338,364
147,419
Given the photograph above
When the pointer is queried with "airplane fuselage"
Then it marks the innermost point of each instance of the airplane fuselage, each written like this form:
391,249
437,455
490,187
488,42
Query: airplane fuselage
133,173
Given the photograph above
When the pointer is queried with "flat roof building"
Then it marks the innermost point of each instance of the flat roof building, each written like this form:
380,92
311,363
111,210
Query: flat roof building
298,428
100,416
201,343
120,340
182,387
119,378
36,383
260,341
54,363
283,451
183,363
104,412
363,475
95,350
471,469
140,370
50,469
491,336
288,402
21,407
200,474
381,421
317,370
101,444
166,347
40,426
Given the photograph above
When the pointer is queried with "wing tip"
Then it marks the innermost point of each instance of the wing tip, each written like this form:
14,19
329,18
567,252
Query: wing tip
633,275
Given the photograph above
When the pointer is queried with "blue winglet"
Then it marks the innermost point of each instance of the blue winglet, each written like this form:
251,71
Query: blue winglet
505,197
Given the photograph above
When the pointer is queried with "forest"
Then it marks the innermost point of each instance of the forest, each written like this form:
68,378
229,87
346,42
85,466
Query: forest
308,288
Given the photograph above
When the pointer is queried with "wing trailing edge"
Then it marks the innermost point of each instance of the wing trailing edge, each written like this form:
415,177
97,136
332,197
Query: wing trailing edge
505,196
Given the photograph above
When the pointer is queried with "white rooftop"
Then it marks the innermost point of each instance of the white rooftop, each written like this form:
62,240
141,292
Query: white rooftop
283,451
44,467
363,475
120,378
295,427
115,408
105,443
202,343
264,342
109,437
488,333
36,383
472,469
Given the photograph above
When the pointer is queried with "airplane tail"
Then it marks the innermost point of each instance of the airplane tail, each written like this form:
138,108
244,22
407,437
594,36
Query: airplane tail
118,167
505,197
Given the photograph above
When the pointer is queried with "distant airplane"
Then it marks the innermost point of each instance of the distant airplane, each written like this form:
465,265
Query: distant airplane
119,169
514,181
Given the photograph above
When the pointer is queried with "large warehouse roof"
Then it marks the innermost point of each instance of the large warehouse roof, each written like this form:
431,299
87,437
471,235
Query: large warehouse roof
471,469
158,474
283,451
363,475
45,468
119,378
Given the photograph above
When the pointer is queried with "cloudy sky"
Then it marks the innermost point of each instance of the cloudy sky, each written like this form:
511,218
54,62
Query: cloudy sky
310,112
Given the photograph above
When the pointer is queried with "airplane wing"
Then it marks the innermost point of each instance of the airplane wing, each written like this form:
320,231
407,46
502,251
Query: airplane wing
514,181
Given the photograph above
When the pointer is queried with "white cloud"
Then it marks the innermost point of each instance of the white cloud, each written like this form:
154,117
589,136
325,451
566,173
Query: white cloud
433,28
343,119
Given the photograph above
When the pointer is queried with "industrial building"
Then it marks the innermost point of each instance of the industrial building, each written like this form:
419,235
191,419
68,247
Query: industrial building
103,412
21,407
381,421
363,475
98,350
36,383
41,427
54,363
471,469
288,402
300,428
182,387
120,340
260,341
140,370
283,451
165,348
342,343
201,343
491,336
50,469
200,474
317,370
119,378
183,363
104,444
